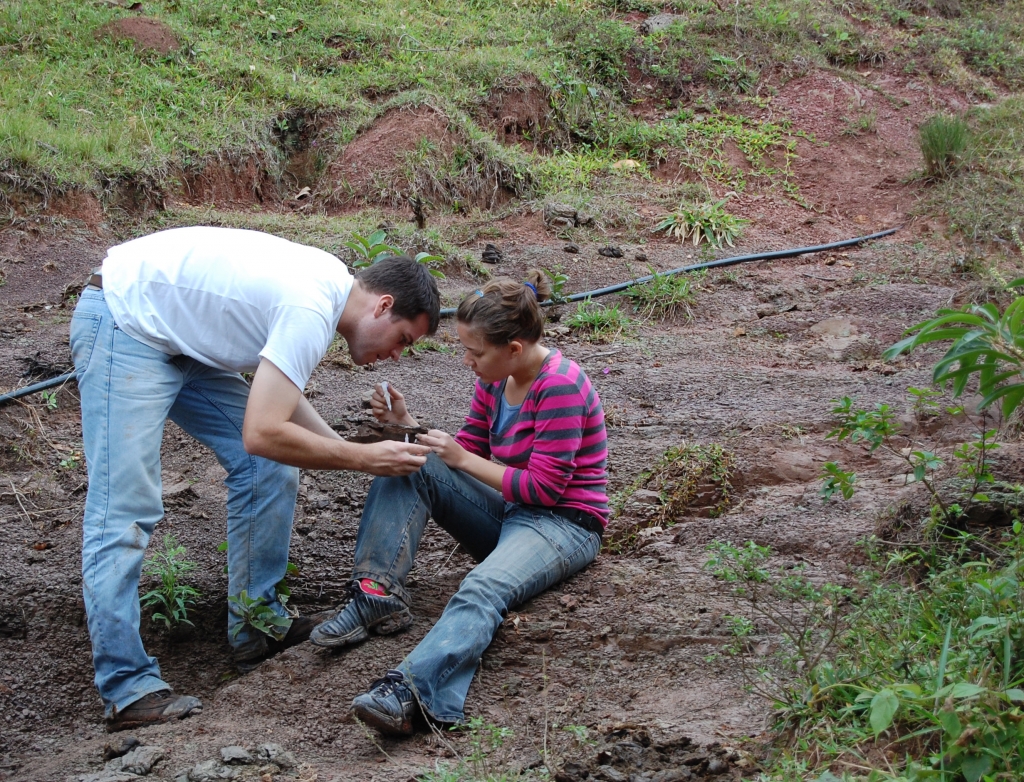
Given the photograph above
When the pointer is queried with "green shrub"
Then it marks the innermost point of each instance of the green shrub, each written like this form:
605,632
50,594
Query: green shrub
703,222
664,296
943,141
598,322
171,597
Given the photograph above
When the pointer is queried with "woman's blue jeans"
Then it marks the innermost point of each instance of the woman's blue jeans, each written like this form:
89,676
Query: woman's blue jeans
521,551
128,391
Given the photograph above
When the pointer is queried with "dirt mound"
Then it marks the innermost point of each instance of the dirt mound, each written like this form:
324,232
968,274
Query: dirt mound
519,112
228,180
378,165
148,35
416,151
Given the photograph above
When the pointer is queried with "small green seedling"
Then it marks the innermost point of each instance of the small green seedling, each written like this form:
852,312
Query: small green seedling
172,597
50,399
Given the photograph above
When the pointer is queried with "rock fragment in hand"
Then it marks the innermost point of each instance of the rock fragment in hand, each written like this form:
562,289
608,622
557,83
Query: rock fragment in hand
492,254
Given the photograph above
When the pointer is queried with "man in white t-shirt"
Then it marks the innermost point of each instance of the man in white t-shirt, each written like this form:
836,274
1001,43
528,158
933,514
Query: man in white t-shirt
163,333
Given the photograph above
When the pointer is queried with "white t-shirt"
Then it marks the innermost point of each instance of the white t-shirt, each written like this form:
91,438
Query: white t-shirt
228,297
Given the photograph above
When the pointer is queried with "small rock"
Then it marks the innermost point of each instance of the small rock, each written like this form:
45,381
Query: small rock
834,327
571,772
569,602
659,22
611,251
139,760
236,756
571,248
672,775
641,256
109,776
275,753
766,310
610,774
212,771
491,254
647,497
116,749
717,766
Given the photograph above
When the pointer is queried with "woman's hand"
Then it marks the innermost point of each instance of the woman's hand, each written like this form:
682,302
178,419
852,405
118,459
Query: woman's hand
444,445
398,414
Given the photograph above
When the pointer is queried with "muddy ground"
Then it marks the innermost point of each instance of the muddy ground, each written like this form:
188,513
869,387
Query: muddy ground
632,648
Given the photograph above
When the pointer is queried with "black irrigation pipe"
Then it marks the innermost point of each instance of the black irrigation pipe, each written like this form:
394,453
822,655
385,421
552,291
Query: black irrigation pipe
449,311
621,286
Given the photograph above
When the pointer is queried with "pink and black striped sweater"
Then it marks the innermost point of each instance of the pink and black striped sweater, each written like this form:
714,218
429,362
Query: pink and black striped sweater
555,449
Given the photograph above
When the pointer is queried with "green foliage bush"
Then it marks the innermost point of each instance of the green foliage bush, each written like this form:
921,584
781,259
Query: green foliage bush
172,597
943,141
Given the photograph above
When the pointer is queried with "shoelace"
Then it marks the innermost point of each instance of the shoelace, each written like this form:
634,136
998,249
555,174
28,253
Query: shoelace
392,680
351,591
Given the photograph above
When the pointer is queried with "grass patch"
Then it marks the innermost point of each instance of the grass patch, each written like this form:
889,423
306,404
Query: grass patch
943,140
597,322
685,478
983,200
77,109
665,296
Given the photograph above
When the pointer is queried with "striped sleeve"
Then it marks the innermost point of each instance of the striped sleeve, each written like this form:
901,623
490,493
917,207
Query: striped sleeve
558,422
474,436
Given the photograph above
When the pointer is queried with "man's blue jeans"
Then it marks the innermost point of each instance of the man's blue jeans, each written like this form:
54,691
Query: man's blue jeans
128,391
521,551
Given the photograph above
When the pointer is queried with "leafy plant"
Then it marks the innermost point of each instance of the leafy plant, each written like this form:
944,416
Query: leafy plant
171,597
600,323
255,613
878,428
49,399
943,140
703,222
664,296
987,345
429,259
558,281
367,248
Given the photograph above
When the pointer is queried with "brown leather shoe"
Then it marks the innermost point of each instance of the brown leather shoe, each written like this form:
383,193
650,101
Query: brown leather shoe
299,631
154,709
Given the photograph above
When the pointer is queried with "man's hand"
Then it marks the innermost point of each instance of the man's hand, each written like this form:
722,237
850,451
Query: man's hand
398,414
458,458
281,425
392,458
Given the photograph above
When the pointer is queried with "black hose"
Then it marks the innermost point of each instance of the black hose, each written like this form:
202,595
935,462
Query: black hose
449,311
40,386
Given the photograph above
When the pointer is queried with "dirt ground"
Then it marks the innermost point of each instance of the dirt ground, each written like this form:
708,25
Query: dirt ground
632,648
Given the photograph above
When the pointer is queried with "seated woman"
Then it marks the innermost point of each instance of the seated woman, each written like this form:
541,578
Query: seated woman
529,523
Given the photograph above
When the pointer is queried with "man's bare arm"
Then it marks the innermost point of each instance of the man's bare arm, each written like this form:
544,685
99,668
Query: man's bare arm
281,425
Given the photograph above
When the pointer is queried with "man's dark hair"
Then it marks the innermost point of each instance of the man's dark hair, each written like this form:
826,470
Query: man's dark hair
409,283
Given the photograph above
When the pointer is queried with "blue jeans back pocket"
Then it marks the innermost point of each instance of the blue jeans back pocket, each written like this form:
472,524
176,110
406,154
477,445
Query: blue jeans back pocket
84,328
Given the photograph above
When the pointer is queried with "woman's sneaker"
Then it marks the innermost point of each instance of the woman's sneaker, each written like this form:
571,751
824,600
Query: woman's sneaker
383,614
389,705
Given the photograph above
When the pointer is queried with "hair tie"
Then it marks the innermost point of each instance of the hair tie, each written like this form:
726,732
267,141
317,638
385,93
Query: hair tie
533,288
479,293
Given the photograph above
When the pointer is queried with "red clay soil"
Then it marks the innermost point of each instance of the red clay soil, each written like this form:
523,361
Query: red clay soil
519,112
374,168
148,35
